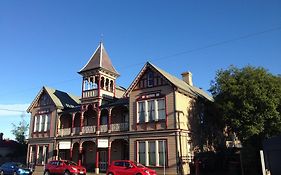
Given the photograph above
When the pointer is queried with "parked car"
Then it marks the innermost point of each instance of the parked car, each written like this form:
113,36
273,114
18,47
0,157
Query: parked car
14,168
64,167
128,167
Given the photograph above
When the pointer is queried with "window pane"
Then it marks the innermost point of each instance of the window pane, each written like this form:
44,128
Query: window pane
151,153
37,122
141,112
162,152
161,109
142,153
151,110
150,79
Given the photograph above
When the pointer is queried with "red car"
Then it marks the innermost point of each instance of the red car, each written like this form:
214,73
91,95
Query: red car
128,167
64,167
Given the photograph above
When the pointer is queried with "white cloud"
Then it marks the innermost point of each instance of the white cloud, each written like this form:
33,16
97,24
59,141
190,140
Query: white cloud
13,109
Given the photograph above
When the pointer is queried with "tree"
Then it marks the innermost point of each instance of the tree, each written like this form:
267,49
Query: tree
20,130
249,101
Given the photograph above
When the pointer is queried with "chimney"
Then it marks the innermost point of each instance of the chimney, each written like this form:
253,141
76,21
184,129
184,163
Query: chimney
187,77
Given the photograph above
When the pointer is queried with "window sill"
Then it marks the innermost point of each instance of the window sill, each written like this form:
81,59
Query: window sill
151,122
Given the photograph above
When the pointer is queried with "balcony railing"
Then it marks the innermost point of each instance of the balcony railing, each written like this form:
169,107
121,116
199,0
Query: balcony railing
88,129
64,132
103,128
90,93
116,127
76,130
119,127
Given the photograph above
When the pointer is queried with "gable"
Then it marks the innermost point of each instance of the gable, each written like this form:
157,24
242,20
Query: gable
54,97
44,100
150,78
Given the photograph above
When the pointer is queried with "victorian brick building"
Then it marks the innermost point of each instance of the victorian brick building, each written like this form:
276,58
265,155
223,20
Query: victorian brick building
150,122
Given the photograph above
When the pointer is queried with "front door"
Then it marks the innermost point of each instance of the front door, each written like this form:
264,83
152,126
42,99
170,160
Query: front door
103,160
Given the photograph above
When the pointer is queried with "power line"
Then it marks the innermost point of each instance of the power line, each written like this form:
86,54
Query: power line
12,110
219,43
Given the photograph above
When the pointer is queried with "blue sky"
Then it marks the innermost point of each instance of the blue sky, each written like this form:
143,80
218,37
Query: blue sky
48,42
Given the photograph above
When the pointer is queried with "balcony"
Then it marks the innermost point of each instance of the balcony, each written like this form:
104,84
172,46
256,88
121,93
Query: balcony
75,131
64,132
119,127
90,93
88,129
103,128
116,127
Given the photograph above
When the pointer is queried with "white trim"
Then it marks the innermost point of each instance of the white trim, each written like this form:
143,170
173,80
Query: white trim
146,153
35,123
157,153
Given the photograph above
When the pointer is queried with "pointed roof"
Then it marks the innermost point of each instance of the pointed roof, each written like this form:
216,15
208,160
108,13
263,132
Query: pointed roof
99,59
172,80
60,99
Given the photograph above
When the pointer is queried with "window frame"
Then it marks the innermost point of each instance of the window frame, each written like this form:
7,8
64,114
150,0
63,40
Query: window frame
147,161
146,112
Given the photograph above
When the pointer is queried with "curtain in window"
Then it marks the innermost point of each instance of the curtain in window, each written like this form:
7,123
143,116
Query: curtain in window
151,153
142,153
141,111
151,110
161,109
162,152
37,119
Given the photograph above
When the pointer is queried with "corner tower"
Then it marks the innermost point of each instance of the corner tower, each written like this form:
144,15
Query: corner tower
99,75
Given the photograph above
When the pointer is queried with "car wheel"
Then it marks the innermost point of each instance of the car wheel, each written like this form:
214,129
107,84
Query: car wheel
138,174
110,173
66,173
46,173
2,172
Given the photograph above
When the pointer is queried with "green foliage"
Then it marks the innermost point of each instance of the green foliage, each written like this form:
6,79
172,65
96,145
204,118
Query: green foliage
20,130
249,101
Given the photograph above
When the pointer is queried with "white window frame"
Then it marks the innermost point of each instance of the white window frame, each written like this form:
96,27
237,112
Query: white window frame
147,110
157,154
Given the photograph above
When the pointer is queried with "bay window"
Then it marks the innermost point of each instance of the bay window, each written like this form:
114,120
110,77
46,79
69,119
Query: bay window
152,153
151,110
41,123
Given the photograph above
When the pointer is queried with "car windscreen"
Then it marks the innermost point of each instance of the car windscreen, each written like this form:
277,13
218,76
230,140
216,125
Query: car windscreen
139,165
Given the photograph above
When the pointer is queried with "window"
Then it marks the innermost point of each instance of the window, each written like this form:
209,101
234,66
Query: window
37,120
118,163
151,110
41,123
141,111
162,152
150,78
152,153
161,109
141,153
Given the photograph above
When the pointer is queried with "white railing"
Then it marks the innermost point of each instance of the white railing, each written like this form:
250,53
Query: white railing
103,128
90,93
119,127
64,132
75,130
88,129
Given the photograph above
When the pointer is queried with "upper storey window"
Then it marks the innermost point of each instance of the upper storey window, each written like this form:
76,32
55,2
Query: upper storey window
151,110
41,123
150,79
